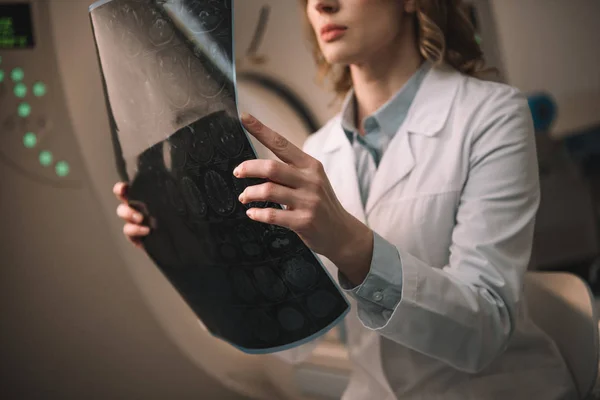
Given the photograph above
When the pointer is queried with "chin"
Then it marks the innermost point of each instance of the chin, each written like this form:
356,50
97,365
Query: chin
340,56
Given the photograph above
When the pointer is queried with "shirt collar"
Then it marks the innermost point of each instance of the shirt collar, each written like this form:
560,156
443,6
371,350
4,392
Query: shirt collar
390,115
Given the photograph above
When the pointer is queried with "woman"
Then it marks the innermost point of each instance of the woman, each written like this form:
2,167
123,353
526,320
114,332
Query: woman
421,197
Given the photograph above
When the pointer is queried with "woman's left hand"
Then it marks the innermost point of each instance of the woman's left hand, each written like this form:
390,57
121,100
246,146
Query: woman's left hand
312,208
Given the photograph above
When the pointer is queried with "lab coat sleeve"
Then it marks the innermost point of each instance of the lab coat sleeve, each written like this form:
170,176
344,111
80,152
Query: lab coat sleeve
381,290
464,314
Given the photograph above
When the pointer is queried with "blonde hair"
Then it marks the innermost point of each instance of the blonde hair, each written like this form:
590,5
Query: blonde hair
444,33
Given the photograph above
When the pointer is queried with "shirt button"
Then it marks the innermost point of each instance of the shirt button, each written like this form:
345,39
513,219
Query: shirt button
378,296
370,124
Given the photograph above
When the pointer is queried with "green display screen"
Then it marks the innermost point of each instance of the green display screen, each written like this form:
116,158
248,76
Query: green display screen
16,29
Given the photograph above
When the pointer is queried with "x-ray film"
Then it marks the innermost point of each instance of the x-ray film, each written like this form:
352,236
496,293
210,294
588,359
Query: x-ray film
169,81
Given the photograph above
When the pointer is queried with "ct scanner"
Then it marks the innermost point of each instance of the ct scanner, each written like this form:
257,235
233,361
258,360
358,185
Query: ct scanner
85,314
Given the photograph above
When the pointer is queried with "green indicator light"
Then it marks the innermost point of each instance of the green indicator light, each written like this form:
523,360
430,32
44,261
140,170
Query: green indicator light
20,90
39,89
24,110
478,39
1,76
30,140
17,74
62,168
45,158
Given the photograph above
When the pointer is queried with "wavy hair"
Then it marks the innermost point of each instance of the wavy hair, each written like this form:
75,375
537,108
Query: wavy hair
444,34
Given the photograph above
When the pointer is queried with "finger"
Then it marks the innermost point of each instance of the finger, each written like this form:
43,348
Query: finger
120,190
134,230
278,144
129,214
272,170
269,191
272,216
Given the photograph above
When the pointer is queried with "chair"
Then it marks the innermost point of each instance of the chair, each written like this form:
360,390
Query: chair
562,305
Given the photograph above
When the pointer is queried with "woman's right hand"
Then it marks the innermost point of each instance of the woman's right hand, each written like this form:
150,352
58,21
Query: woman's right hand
133,229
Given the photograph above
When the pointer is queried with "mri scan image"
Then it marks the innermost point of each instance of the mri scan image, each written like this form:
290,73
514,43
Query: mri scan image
169,82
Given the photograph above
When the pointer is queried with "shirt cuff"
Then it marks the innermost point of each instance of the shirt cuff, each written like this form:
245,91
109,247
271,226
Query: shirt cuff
382,288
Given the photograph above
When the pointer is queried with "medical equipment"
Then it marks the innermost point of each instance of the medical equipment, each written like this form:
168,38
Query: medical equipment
79,296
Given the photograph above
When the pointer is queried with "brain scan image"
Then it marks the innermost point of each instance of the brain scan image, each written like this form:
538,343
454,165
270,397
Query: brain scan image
177,139
173,76
193,197
160,32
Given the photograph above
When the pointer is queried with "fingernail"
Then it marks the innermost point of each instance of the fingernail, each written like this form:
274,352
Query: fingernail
138,217
241,197
247,117
249,213
145,230
236,171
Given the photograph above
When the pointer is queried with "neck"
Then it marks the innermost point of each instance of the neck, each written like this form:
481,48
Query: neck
377,79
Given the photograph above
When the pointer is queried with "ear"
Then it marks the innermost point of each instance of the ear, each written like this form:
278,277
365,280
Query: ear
410,6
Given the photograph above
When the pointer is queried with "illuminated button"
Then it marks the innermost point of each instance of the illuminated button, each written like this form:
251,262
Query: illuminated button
478,39
39,89
30,140
377,296
17,74
20,90
24,110
1,76
45,158
62,168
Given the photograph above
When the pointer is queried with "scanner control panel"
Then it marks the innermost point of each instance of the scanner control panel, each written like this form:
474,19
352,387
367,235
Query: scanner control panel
35,132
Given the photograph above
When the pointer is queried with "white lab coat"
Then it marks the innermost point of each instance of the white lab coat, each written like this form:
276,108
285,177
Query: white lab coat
456,192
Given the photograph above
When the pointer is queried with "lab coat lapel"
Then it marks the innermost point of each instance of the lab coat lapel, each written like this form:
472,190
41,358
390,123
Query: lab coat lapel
426,117
341,170
396,163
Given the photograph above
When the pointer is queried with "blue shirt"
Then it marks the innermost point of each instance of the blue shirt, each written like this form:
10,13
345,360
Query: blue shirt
381,290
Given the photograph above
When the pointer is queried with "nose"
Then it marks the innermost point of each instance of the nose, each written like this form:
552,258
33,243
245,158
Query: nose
327,6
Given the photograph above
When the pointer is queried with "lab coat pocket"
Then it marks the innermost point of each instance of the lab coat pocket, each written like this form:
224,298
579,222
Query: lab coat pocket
415,209
420,224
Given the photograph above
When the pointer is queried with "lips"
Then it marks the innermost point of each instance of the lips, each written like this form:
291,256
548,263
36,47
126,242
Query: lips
332,32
